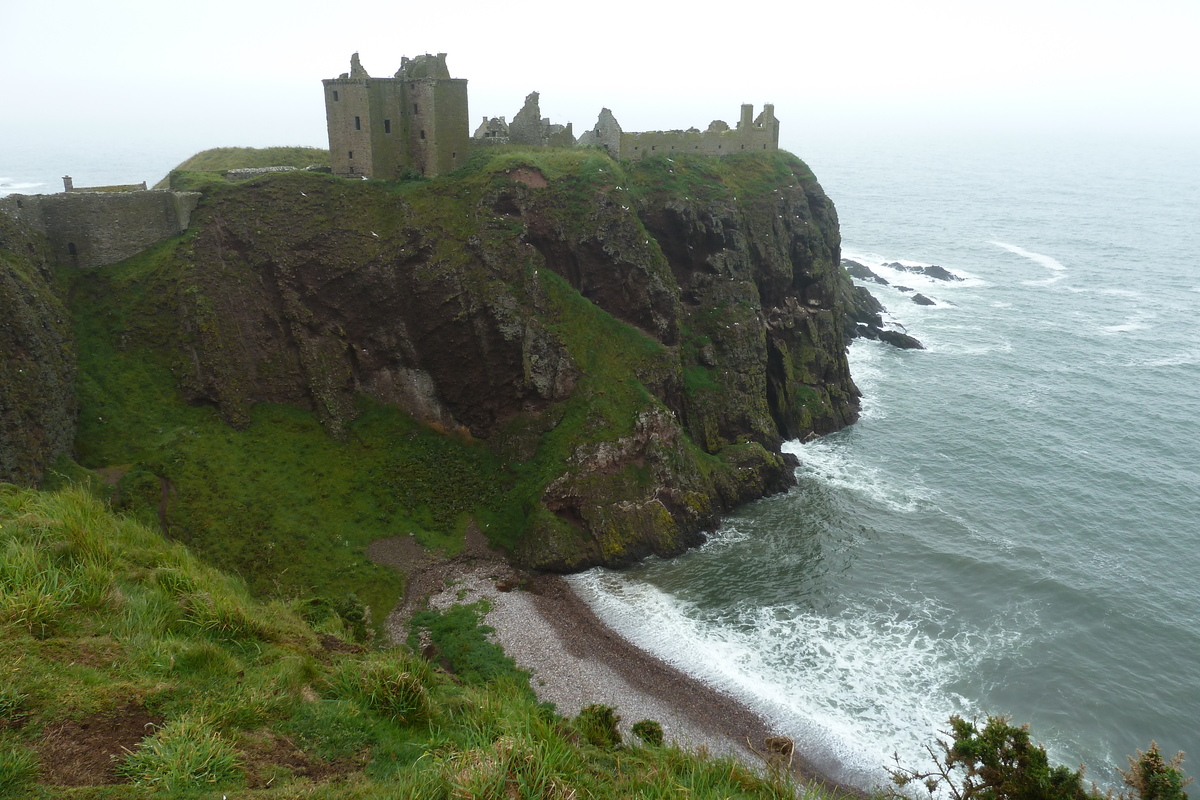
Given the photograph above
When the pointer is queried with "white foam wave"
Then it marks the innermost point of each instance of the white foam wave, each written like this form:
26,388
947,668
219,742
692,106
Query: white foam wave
1174,360
852,686
829,463
1047,282
1046,261
1132,324
8,186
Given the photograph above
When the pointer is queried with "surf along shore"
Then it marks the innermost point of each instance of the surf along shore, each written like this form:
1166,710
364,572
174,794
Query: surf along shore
574,658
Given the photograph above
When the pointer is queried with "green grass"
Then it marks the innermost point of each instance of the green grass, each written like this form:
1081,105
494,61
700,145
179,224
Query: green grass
250,702
461,639
221,159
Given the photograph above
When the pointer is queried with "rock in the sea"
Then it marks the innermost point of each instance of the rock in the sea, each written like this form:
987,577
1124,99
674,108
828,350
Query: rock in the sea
904,288
922,300
861,271
940,273
863,315
931,271
901,340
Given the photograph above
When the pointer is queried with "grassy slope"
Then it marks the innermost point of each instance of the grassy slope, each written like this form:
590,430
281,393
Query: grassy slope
102,619
220,159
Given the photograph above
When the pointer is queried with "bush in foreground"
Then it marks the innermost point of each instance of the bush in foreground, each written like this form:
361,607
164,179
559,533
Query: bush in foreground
999,762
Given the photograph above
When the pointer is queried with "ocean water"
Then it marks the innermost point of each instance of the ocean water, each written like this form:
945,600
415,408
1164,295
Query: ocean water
1013,527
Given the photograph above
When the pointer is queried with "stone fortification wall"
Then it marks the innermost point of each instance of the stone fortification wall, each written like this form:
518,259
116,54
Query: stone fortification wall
759,134
94,229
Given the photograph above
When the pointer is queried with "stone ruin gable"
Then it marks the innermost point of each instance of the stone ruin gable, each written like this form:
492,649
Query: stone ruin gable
381,127
93,229
490,132
530,127
606,134
756,134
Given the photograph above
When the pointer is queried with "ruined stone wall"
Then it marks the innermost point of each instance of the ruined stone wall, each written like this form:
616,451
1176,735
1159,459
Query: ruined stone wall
759,134
389,157
94,229
245,173
348,118
451,124
636,146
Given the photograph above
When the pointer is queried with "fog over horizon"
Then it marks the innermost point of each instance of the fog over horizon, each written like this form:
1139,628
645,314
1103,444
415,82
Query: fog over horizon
151,84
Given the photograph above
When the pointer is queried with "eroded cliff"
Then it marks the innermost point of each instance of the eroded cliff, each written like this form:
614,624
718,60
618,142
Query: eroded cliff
629,344
37,360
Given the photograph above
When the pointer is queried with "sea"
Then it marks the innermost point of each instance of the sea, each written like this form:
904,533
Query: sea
1011,528
1013,525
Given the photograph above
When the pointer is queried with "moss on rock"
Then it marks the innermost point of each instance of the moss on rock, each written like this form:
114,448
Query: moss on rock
37,360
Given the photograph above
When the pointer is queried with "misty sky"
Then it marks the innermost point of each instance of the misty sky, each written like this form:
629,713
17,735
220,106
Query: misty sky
191,76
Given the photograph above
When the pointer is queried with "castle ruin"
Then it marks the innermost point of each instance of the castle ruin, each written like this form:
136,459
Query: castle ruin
753,134
383,127
417,120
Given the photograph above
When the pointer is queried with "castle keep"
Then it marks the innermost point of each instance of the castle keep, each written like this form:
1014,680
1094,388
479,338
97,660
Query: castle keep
382,127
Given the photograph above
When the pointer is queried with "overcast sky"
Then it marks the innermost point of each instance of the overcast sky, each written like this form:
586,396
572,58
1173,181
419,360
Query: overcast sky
248,72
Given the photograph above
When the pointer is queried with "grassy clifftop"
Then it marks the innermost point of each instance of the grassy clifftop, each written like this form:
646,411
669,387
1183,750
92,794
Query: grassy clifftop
221,159
129,668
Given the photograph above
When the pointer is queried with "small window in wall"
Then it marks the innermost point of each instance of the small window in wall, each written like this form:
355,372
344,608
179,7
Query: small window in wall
422,134
415,109
71,248
718,147
351,155
653,147
743,147
454,154
764,147
387,126
335,95
358,123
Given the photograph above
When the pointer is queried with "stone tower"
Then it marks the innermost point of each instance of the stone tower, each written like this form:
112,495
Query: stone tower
380,127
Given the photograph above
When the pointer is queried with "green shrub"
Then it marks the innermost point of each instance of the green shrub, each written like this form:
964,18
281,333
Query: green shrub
598,725
999,762
649,731
1155,779
185,754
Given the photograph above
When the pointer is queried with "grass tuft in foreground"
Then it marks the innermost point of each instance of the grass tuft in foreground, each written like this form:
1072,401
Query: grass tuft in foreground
129,668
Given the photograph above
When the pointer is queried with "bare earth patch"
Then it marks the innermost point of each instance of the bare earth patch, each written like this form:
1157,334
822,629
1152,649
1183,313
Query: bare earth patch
529,177
85,752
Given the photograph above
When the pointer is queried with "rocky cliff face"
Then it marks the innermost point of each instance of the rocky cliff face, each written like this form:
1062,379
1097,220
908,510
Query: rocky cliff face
635,341
37,360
